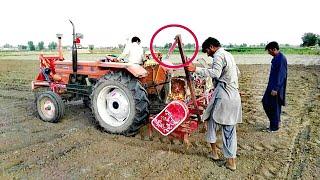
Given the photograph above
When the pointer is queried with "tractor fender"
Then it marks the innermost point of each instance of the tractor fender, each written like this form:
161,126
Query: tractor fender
37,84
135,69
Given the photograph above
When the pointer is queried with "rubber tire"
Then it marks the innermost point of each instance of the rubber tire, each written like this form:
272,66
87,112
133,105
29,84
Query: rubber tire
57,102
39,90
138,100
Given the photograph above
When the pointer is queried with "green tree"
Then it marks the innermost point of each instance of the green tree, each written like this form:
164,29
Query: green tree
230,46
167,45
52,45
22,47
91,47
41,45
189,46
7,45
31,46
243,45
309,39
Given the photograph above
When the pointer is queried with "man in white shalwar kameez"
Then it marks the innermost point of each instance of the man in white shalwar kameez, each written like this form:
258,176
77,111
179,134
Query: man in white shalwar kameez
133,52
224,109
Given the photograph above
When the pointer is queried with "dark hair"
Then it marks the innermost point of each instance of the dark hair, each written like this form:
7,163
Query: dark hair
208,42
272,45
135,39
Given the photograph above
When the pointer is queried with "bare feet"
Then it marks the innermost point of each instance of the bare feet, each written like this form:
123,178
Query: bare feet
231,164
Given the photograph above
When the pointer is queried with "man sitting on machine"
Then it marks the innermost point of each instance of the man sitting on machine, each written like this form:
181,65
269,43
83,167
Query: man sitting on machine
133,53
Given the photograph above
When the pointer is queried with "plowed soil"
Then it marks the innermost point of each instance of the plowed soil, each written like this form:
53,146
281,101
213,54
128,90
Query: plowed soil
77,148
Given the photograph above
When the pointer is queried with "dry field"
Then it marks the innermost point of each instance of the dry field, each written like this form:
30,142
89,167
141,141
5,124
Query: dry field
77,148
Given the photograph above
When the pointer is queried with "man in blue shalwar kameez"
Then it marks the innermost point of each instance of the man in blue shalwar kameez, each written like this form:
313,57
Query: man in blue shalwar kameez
274,96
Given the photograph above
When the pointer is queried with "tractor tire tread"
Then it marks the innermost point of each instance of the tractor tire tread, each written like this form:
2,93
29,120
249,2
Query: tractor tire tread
139,95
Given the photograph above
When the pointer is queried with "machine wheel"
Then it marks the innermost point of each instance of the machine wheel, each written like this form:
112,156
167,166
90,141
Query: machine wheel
120,104
50,106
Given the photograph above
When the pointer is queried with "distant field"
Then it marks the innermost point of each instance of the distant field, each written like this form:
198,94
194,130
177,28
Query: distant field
175,58
234,50
261,50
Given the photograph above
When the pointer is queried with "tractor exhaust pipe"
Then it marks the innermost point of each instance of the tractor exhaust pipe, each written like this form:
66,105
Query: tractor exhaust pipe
59,36
74,51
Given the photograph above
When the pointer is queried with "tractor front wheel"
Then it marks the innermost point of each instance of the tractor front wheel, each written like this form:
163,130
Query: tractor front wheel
50,106
120,104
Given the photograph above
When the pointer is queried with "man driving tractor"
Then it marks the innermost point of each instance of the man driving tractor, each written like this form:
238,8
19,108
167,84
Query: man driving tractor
133,53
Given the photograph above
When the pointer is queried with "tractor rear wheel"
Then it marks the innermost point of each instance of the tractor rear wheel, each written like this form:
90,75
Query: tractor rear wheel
50,106
120,104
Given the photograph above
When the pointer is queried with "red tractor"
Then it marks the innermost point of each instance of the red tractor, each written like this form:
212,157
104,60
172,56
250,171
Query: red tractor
122,96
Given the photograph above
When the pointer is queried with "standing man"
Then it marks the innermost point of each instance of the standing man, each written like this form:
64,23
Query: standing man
274,96
134,52
224,109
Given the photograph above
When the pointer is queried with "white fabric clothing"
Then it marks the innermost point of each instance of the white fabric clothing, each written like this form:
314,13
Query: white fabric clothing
133,52
229,137
225,105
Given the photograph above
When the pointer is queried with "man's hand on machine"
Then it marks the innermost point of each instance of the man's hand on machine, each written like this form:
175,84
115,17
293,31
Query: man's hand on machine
117,60
191,67
111,58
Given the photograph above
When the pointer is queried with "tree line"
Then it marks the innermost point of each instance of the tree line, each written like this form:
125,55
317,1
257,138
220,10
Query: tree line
308,40
40,46
32,47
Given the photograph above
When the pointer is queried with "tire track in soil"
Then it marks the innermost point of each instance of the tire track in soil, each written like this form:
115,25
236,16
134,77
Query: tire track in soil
22,112
266,145
300,154
79,150
21,166
40,139
35,131
47,152
26,122
59,130
16,94
304,145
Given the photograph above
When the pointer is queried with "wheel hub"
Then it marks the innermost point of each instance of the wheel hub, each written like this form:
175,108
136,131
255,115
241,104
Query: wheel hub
113,105
47,108
117,105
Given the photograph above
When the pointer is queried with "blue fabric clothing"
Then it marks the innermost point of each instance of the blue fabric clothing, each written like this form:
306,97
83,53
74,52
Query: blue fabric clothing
278,77
272,107
277,82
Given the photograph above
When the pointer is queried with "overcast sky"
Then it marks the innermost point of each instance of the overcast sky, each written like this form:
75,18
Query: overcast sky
110,22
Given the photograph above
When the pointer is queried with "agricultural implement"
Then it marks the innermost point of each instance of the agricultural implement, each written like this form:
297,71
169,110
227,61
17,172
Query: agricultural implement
123,97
